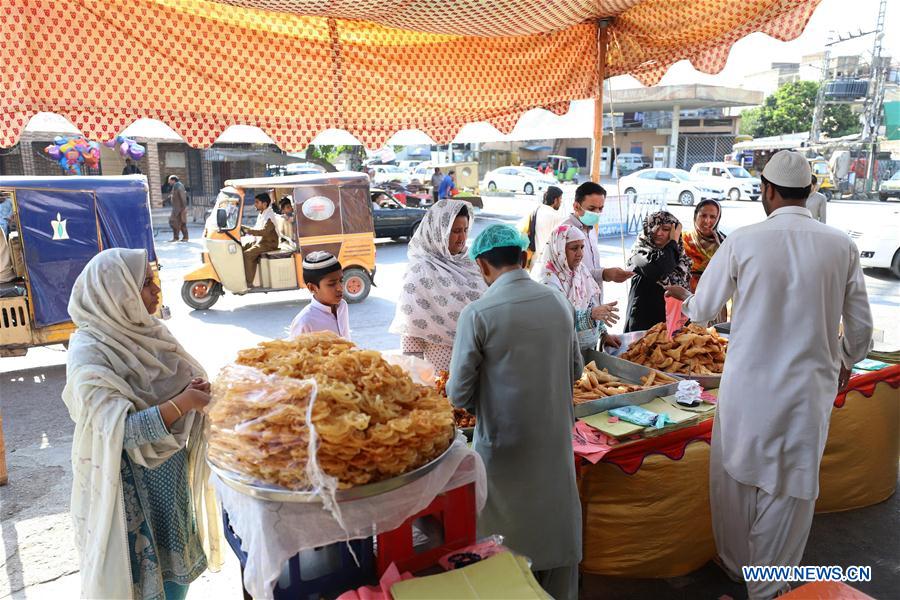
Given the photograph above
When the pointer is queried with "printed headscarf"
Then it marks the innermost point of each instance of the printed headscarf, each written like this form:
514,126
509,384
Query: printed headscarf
645,247
577,285
699,248
437,285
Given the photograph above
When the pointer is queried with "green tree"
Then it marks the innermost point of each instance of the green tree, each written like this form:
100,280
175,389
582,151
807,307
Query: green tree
790,110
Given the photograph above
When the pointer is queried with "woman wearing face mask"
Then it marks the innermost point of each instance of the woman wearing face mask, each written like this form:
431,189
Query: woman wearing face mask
701,243
562,268
657,259
144,514
440,280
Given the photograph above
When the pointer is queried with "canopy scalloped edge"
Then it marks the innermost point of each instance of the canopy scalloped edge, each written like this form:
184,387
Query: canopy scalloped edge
310,74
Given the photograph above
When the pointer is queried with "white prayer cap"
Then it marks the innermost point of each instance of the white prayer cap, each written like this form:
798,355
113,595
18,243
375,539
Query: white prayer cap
788,169
318,260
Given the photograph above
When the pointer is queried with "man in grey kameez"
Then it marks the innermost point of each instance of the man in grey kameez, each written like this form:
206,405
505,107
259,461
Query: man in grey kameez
525,415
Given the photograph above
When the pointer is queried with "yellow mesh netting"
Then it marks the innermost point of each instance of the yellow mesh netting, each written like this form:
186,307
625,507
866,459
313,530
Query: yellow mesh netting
297,67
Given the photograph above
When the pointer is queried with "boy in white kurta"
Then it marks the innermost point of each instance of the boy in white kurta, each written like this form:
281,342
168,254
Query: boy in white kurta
328,311
794,282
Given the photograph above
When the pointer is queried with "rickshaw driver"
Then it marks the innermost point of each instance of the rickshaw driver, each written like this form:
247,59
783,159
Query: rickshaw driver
267,233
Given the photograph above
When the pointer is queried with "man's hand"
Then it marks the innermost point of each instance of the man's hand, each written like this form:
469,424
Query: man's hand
844,378
617,275
677,292
612,341
607,313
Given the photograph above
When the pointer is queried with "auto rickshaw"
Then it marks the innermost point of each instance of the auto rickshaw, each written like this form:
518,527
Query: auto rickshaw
564,167
58,225
825,177
332,212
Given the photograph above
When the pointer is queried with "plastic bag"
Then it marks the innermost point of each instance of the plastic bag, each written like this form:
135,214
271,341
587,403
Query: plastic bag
675,320
257,426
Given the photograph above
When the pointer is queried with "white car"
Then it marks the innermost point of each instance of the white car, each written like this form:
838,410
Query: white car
388,173
879,246
518,179
410,165
674,185
738,182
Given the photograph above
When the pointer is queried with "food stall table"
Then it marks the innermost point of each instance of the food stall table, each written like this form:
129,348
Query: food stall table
645,506
273,532
859,466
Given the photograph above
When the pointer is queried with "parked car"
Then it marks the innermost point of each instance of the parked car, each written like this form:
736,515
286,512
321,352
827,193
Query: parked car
410,165
628,162
675,185
738,182
879,246
518,179
386,173
890,188
423,172
391,218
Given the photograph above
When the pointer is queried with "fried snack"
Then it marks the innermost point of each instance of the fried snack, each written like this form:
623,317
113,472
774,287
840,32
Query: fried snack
372,421
464,419
596,383
692,351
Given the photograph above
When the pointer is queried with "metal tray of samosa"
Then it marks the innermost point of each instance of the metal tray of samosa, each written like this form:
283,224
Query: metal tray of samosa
275,493
628,372
707,382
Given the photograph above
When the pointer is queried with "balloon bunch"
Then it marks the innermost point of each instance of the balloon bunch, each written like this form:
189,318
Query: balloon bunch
74,151
127,147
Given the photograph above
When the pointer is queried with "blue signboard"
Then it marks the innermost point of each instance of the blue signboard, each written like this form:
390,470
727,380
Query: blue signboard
59,237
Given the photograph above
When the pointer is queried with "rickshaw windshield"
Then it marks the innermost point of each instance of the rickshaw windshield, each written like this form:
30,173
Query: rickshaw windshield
229,200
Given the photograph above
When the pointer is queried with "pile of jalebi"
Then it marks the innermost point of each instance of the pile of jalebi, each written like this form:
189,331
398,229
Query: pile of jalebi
372,421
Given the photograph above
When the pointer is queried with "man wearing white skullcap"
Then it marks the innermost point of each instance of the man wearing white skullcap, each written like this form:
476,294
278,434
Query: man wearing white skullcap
794,282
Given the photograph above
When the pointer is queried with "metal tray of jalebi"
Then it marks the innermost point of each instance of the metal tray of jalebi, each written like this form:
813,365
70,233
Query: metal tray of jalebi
274,493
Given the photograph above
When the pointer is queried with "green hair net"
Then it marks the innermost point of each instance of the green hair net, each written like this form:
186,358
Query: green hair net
497,236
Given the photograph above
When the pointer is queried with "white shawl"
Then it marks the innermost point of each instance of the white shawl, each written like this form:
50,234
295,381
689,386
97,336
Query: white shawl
437,285
120,360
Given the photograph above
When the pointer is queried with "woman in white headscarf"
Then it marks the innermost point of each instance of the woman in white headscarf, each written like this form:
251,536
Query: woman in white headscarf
145,518
561,267
440,280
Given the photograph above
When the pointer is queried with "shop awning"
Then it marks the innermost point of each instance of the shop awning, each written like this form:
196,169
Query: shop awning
295,68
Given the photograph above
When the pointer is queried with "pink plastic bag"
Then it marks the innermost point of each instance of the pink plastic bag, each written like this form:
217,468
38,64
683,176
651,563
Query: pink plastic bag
675,320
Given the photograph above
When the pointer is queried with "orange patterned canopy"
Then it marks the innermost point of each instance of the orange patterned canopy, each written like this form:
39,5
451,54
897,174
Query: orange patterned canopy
297,67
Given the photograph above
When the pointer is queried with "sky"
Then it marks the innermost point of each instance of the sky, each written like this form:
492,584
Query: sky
756,52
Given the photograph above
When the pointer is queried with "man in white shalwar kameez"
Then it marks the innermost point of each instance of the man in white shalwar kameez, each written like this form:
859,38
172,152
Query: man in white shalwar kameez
794,282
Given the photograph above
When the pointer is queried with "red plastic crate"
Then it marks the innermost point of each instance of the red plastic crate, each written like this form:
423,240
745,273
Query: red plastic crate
454,514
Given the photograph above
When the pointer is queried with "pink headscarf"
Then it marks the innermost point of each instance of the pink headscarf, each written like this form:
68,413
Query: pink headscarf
578,285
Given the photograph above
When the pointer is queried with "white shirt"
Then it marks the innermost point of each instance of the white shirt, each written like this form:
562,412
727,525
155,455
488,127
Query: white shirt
546,221
318,317
792,280
817,205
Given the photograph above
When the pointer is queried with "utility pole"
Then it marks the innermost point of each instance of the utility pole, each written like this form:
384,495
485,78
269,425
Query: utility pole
819,112
874,108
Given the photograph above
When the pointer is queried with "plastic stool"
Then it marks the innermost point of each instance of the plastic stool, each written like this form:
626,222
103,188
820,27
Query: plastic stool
326,571
452,515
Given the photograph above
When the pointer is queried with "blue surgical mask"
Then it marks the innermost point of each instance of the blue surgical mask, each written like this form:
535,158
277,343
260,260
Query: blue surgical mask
589,218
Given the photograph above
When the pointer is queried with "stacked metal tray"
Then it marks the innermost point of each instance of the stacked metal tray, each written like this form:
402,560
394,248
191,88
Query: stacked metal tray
629,373
708,382
274,493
